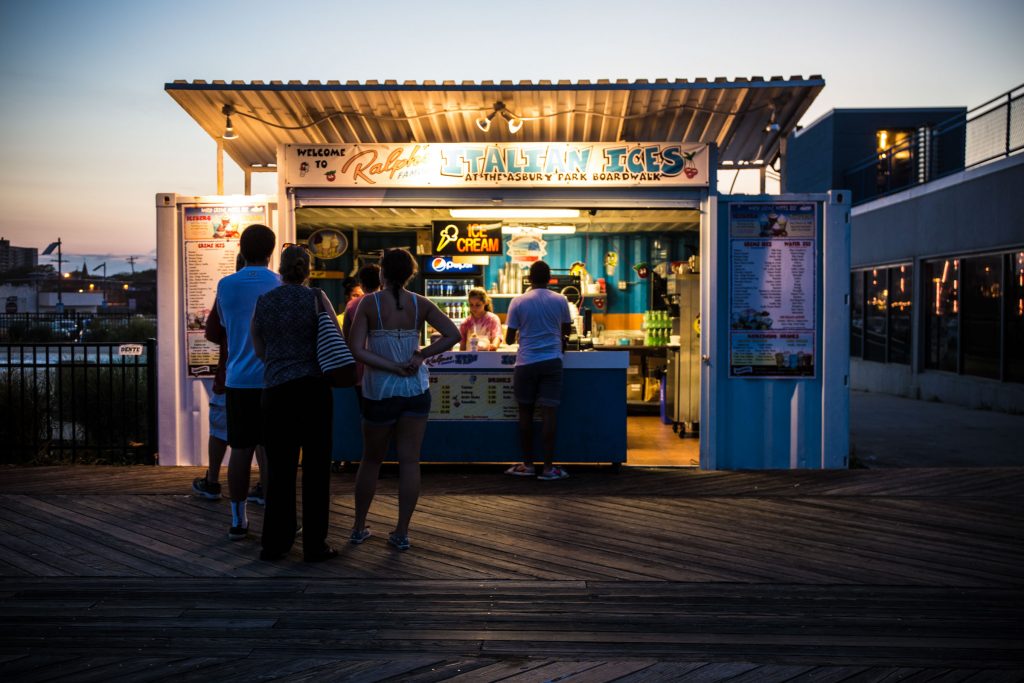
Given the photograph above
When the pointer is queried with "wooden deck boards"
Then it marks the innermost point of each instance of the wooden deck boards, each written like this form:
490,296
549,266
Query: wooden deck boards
646,575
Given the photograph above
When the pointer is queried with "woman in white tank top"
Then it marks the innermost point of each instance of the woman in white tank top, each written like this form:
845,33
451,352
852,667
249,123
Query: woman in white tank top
396,396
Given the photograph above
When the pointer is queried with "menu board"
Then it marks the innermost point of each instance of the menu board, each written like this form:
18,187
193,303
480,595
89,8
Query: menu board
209,249
772,284
472,396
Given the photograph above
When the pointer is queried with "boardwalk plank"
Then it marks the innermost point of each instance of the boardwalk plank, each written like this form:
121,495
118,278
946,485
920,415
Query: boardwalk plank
646,575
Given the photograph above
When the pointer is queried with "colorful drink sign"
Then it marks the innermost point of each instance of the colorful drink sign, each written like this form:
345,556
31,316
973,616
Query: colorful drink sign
529,164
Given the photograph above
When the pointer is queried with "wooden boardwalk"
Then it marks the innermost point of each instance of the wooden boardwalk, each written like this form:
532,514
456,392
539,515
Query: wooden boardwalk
645,575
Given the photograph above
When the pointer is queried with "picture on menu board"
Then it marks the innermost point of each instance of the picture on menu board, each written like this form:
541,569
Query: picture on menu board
772,290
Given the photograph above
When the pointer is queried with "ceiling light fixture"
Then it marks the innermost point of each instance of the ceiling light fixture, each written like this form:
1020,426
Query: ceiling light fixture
514,213
514,122
229,130
773,125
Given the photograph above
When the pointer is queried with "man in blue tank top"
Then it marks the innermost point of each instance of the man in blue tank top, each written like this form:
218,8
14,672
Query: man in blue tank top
236,300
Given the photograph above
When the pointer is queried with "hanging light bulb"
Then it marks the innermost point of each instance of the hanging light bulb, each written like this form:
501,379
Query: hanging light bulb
484,122
229,130
514,122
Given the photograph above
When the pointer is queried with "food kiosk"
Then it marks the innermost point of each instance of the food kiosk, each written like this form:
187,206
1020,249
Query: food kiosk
772,384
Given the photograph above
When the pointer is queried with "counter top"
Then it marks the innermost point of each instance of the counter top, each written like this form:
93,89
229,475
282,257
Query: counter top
505,360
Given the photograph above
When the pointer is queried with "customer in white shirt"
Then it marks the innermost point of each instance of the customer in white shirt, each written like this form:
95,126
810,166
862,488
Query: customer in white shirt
540,318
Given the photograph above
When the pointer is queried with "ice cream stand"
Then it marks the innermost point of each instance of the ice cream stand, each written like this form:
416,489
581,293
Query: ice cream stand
629,159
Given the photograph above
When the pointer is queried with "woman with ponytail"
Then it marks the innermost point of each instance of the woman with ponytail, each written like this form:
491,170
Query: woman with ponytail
396,397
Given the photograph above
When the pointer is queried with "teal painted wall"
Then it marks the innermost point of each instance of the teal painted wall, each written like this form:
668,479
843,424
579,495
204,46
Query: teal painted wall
632,249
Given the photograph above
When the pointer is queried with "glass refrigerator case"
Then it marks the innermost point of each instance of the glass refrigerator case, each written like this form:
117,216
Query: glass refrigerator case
447,284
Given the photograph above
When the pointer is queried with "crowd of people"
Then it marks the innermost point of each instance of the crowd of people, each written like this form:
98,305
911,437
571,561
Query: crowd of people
271,400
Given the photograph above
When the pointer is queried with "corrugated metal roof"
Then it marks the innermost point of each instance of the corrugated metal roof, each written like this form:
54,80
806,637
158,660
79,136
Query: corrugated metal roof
732,114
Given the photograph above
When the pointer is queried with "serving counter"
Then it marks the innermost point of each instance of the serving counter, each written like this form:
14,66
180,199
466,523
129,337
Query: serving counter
474,416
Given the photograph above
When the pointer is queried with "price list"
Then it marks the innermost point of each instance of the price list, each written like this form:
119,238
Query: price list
472,396
772,285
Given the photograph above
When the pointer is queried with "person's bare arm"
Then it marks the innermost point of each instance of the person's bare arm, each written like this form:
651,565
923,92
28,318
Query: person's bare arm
510,335
566,331
450,335
215,331
346,325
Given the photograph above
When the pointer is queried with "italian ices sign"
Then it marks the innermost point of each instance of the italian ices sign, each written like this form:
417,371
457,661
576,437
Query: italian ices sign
534,164
772,285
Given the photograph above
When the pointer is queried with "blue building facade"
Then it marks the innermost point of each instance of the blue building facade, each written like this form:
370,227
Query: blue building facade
937,245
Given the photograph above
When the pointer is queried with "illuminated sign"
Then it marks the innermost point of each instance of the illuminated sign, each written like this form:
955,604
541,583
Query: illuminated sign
502,164
464,238
444,264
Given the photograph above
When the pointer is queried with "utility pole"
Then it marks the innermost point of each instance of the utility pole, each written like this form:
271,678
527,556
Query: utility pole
131,262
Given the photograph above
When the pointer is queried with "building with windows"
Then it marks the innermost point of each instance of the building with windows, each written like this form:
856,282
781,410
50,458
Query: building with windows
12,258
937,245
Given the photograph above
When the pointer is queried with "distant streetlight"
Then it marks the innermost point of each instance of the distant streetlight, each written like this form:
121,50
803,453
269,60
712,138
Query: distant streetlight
60,260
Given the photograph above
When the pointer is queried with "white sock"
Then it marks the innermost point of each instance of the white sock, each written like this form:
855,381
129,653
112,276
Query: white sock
238,517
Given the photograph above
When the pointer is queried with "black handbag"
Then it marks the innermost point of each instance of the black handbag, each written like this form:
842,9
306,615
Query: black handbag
332,354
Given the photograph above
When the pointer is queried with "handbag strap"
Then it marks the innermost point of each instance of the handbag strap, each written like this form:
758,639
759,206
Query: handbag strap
318,300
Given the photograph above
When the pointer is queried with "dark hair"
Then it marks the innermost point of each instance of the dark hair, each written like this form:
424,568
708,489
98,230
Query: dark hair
481,293
257,243
397,266
349,285
369,277
294,266
239,261
540,274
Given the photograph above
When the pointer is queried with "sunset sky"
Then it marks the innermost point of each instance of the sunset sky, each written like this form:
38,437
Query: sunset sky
89,136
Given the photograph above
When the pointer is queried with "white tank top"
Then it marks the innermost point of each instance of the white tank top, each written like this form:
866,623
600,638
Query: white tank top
397,346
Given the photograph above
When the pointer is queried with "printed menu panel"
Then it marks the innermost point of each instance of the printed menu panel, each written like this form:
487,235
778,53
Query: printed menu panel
209,247
472,396
772,283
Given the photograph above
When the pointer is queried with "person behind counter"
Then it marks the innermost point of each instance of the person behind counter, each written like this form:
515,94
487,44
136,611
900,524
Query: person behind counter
541,319
296,411
481,323
396,393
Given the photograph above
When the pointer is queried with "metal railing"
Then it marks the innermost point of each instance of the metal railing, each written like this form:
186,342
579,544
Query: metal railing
992,130
76,327
78,403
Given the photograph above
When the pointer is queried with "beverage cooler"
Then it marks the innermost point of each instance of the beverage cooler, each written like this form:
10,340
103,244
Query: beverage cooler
447,284
682,390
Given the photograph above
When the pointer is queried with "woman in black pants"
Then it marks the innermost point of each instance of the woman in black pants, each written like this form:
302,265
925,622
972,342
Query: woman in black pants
297,411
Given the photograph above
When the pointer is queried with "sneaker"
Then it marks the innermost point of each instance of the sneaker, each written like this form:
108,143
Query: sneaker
237,533
256,495
400,542
204,489
553,474
521,470
358,537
